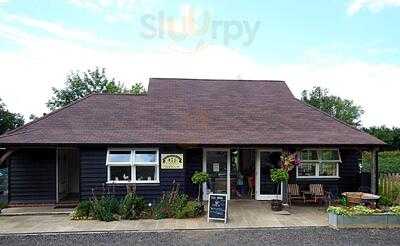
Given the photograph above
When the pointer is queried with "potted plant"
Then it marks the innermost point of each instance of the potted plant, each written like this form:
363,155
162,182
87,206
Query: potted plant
278,176
200,178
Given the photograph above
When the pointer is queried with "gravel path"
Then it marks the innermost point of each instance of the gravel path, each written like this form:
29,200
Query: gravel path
292,236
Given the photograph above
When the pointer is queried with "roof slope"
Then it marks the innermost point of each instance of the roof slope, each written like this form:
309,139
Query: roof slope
189,111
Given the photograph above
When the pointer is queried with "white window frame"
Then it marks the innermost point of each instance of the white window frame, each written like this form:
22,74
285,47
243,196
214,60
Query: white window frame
132,163
318,163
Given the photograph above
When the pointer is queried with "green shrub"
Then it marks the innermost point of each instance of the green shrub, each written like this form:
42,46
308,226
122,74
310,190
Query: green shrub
174,204
131,207
105,209
352,211
192,209
385,201
170,205
337,210
83,211
279,175
343,201
389,162
199,178
395,210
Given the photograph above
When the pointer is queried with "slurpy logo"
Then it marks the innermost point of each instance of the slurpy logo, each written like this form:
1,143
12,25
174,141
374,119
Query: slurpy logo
200,28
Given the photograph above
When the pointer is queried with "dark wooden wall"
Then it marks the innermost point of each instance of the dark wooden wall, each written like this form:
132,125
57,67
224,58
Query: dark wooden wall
194,162
93,176
32,176
349,172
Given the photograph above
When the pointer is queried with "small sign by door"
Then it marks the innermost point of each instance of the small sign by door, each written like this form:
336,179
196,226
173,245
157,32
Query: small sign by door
172,161
217,207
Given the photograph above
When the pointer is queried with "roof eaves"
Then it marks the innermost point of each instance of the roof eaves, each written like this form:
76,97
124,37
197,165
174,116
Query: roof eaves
46,116
340,121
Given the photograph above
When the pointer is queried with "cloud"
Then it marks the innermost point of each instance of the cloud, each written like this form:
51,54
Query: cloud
56,29
372,5
114,10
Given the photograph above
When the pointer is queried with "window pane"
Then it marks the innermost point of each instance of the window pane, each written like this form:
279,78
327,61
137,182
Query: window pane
307,169
122,173
119,156
146,173
309,155
146,156
328,169
330,155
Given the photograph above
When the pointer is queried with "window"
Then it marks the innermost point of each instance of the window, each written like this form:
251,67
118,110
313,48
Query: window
132,166
322,163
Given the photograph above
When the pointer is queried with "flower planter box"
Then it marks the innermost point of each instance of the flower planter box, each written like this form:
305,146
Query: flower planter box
364,221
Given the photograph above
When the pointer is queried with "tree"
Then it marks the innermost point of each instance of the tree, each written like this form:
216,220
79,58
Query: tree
78,85
343,109
138,89
8,120
390,136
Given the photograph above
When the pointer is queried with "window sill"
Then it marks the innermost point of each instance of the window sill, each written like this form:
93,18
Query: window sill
137,183
318,177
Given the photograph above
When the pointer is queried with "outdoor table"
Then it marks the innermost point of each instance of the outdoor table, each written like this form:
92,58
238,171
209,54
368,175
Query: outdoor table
365,197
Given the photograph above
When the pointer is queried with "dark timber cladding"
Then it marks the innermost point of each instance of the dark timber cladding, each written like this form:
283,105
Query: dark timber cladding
94,176
32,176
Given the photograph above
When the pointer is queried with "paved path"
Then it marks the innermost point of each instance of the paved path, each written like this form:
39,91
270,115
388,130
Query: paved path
242,215
287,237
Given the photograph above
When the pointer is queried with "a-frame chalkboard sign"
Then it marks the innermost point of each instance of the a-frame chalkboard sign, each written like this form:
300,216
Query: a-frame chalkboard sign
217,207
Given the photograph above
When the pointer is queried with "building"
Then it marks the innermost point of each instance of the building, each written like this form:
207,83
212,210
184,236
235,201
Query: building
235,130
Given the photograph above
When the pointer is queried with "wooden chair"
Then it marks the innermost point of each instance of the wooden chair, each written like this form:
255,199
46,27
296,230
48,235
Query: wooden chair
317,192
294,193
252,184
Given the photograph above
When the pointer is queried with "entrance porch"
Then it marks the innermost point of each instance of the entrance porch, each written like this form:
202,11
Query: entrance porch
242,173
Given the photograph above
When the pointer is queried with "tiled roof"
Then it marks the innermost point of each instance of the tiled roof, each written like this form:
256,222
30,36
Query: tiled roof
192,111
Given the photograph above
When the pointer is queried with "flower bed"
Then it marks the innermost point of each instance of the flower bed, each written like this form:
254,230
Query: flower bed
361,216
173,204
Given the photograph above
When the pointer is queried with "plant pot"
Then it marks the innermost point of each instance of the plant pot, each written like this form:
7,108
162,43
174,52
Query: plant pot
276,205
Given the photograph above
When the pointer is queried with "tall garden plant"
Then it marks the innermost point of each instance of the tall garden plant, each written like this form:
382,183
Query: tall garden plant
199,178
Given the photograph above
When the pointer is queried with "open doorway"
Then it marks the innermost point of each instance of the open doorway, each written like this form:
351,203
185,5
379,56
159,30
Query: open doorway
243,173
68,171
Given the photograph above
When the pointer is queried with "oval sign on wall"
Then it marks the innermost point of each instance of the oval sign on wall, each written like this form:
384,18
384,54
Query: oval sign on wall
171,161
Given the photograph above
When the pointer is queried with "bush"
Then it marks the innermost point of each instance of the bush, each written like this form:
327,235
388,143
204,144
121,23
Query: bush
170,205
389,162
176,205
279,175
352,211
395,210
132,207
385,201
83,211
343,201
105,209
192,209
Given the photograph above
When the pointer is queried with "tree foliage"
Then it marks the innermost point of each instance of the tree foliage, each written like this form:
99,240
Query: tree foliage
78,85
391,136
388,162
8,120
343,109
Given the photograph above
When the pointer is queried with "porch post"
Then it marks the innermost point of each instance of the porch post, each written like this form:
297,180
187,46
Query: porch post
57,198
374,171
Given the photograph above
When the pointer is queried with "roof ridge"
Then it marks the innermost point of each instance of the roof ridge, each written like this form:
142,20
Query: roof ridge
199,79
118,94
12,132
338,120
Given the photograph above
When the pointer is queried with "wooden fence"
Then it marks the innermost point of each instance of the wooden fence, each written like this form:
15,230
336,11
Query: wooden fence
389,186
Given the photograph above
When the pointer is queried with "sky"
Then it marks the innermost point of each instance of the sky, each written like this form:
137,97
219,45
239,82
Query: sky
350,47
